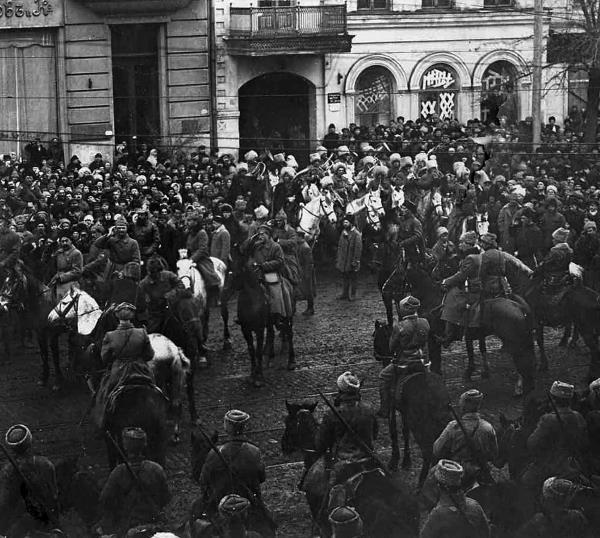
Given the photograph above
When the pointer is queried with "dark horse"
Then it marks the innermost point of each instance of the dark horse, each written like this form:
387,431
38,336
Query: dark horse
579,306
502,317
254,318
385,505
25,302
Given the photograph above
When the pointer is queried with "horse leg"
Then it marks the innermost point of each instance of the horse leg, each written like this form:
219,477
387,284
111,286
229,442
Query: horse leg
394,438
539,336
483,350
54,345
42,338
249,337
289,327
427,458
470,356
225,317
591,341
573,342
270,343
189,386
260,335
406,459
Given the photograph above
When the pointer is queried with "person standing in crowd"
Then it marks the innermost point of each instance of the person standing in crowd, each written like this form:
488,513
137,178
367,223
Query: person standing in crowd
307,286
220,245
349,252
529,240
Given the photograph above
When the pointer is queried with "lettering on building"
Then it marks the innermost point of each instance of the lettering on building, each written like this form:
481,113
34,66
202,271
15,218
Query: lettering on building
25,8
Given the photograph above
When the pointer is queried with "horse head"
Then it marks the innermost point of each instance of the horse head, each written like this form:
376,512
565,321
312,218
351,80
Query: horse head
512,445
397,195
326,202
300,427
65,312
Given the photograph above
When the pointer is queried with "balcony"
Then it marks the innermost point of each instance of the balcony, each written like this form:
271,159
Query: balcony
129,8
288,30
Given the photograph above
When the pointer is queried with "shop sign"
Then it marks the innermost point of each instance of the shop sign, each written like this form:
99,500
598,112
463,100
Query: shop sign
31,13
334,98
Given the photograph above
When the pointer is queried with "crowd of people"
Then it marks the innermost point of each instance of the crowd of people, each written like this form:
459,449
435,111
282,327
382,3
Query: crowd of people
72,224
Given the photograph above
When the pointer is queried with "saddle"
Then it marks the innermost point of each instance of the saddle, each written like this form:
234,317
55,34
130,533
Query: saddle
344,493
132,383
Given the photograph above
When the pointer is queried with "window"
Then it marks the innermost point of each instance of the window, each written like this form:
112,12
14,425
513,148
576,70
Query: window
438,92
373,103
437,3
373,4
498,95
498,3
274,3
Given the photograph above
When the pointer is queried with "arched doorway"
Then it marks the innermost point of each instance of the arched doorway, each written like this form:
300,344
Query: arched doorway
373,102
499,95
438,92
275,114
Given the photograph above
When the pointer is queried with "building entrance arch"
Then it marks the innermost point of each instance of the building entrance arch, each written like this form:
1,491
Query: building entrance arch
278,113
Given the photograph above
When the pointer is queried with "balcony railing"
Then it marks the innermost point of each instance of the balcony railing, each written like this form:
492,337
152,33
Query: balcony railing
272,22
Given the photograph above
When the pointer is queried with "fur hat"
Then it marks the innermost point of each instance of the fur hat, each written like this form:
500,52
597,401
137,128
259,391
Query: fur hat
559,389
558,491
560,235
133,439
279,158
349,218
327,181
410,303
314,157
489,239
18,437
226,208
380,170
395,157
125,311
589,225
120,220
343,150
406,161
449,473
441,231
235,419
471,396
251,155
261,212
470,238
594,385
369,159
348,382
287,170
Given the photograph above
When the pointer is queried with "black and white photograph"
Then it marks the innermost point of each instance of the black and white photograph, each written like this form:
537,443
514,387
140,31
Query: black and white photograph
299,269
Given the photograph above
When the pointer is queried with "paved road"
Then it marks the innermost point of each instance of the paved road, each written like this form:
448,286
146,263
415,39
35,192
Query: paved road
336,339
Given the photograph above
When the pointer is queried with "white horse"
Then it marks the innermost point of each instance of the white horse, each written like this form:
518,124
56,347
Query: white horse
374,206
192,279
312,213
170,366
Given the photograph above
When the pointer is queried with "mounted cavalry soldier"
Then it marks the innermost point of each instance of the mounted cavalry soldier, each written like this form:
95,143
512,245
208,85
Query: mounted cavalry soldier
235,467
346,523
10,248
155,288
136,492
146,233
268,256
455,514
559,440
408,347
126,351
556,520
461,307
28,490
69,265
346,454
474,453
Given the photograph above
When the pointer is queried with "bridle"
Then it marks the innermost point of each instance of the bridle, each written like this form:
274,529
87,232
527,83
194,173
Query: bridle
317,216
72,305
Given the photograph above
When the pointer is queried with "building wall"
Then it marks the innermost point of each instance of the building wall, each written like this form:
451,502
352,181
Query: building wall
405,40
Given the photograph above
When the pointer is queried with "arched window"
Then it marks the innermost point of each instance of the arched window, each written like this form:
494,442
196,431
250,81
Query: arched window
373,103
499,95
438,91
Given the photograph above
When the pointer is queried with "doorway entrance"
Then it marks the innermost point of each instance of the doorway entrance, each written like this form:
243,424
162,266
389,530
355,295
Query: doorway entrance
135,83
275,114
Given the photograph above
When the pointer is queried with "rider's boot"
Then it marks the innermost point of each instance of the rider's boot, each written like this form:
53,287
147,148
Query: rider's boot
352,290
449,334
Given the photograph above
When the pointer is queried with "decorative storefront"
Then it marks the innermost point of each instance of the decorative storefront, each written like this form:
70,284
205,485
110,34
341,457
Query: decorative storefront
438,92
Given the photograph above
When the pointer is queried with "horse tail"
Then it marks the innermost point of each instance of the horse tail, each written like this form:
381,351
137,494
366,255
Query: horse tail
180,369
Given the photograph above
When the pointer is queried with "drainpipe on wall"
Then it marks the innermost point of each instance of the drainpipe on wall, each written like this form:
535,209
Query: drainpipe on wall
212,75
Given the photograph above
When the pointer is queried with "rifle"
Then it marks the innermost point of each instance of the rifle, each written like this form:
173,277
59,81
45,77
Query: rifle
563,429
471,446
134,475
252,496
356,437
45,513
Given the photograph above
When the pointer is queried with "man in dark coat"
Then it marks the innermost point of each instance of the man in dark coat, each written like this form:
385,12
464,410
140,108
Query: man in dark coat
342,450
558,441
348,257
122,505
147,235
555,266
244,461
31,505
557,520
529,240
455,514
197,245
306,289
586,253
408,346
462,300
220,243
10,247
285,235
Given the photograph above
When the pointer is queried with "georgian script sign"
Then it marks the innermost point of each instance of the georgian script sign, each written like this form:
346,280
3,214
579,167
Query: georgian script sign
31,13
